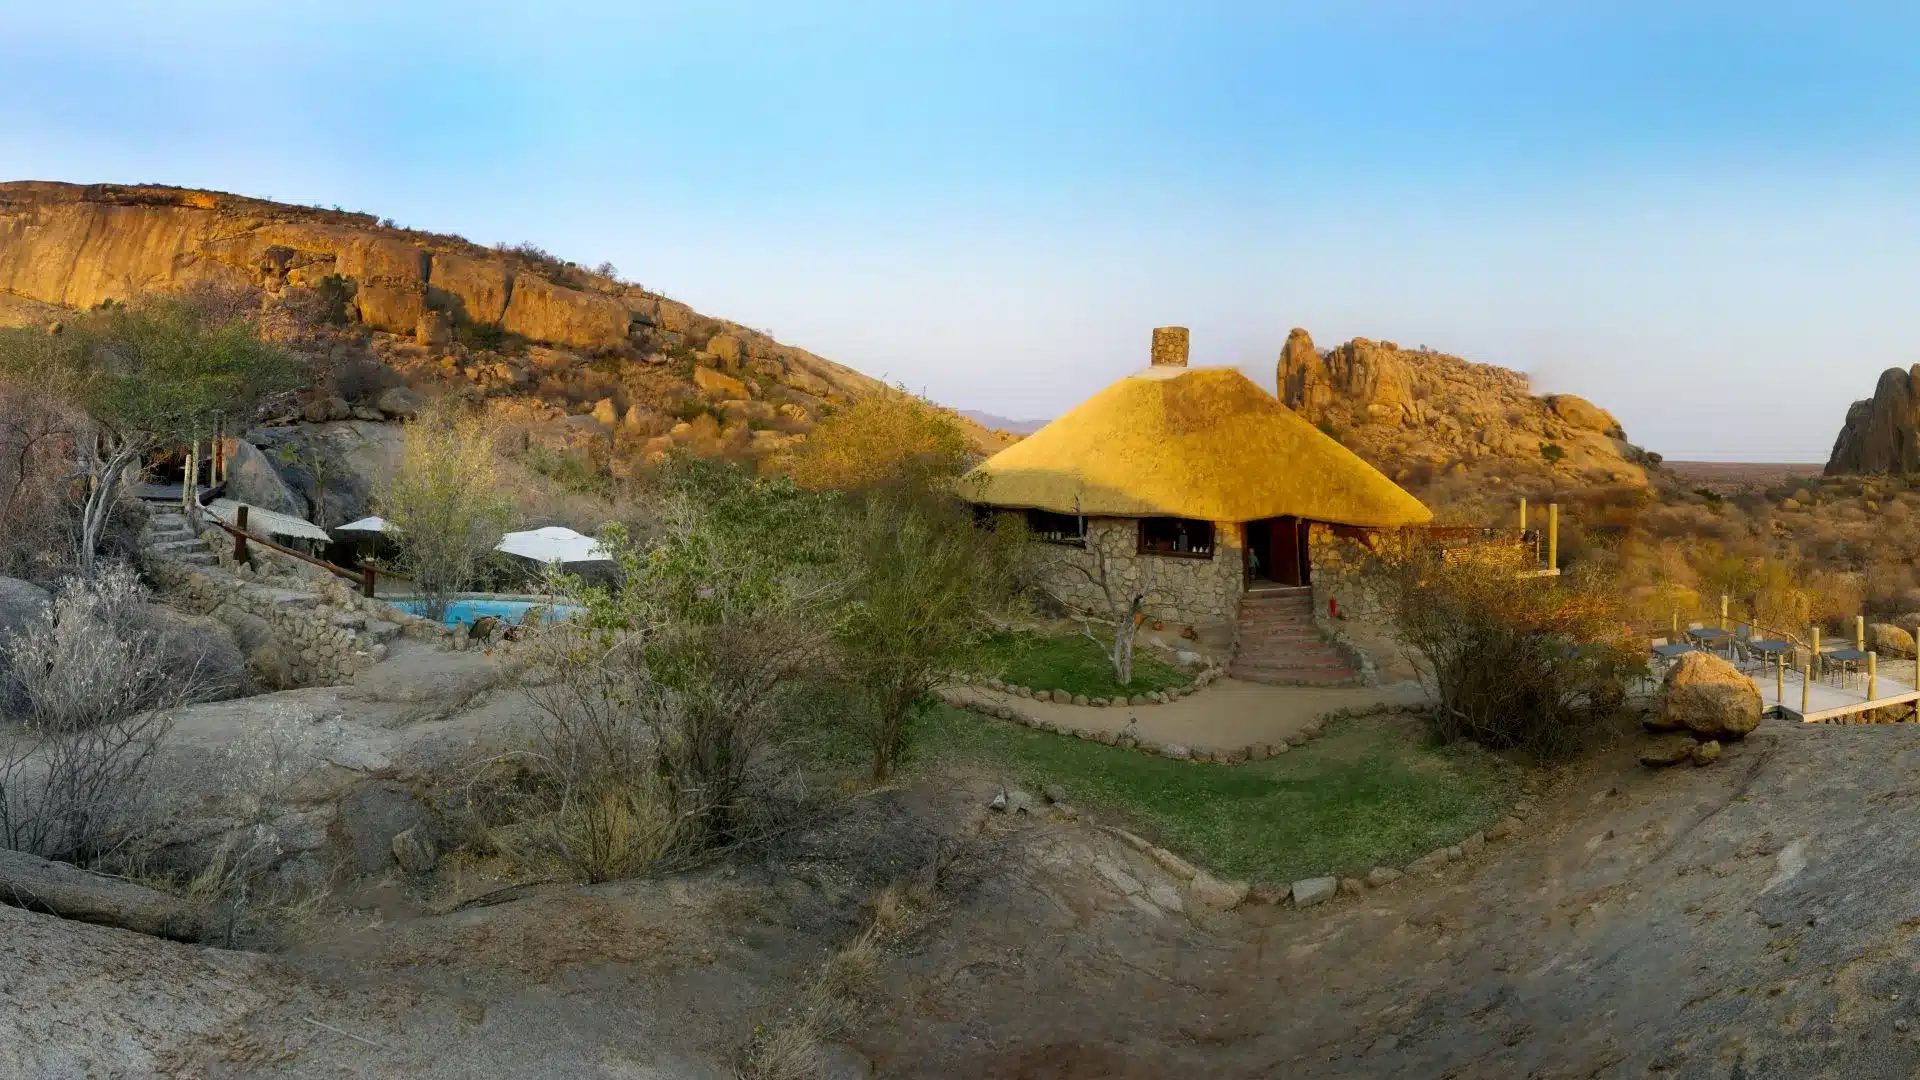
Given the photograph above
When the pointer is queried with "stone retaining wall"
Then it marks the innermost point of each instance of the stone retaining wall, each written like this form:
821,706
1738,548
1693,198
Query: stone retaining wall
308,634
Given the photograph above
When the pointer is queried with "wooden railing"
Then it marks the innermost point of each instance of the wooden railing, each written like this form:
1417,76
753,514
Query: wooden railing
363,578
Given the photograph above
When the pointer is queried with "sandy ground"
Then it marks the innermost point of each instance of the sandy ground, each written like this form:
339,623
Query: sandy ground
1226,715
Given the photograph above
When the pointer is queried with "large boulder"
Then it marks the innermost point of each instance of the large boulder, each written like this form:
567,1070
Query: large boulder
37,884
1889,640
394,309
475,289
355,458
542,311
1882,433
253,478
1582,413
717,385
199,645
401,403
1709,697
21,603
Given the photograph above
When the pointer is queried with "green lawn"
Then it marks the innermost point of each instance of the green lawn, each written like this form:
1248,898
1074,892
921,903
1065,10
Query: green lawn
1072,663
1371,791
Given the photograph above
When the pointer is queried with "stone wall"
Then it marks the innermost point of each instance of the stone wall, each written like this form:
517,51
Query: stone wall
1181,591
294,630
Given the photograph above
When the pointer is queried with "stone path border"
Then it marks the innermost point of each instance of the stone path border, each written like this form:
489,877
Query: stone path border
1227,893
1112,728
1207,675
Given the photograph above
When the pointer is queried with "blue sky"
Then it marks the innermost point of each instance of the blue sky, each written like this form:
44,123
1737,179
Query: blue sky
1703,217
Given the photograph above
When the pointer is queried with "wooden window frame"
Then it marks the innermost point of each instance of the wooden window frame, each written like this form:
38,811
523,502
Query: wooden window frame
1213,540
1079,541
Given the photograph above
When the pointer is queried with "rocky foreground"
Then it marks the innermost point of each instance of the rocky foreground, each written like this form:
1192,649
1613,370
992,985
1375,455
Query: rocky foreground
1751,919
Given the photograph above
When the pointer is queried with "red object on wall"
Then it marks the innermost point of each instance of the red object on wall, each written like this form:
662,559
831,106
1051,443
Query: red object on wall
1333,607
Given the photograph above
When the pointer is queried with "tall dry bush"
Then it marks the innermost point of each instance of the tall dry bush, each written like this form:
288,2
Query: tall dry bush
89,694
662,711
1511,662
445,503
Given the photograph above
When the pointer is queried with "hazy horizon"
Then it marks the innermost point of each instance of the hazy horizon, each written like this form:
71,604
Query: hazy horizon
1704,222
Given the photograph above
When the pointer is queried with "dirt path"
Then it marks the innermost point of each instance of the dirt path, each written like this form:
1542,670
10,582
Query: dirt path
1227,715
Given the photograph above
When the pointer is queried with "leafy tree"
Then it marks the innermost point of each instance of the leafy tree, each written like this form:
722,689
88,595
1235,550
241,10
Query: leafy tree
146,374
445,504
926,585
881,439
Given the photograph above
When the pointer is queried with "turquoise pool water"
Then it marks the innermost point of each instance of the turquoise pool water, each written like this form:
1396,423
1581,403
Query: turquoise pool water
466,611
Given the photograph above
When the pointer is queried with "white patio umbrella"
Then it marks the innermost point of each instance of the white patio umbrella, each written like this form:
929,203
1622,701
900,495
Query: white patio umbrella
365,524
553,544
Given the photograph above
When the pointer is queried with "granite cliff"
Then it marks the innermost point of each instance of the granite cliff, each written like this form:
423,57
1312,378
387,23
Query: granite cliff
1419,415
575,360
1882,433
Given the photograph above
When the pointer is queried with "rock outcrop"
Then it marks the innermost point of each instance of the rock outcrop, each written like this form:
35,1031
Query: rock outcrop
435,311
1882,433
28,881
1416,414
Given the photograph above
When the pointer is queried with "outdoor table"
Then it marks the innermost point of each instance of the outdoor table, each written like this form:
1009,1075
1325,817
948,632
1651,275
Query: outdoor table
1767,650
1846,656
1668,652
1711,638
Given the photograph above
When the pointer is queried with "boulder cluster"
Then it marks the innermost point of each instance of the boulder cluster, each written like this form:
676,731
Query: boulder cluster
1416,413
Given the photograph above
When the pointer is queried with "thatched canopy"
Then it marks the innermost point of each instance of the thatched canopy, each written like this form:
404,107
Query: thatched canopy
1201,443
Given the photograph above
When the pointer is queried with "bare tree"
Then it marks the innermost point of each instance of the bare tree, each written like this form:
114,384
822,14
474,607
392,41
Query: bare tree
1123,608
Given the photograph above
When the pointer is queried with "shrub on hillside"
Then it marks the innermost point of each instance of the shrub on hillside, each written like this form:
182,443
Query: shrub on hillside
445,504
885,438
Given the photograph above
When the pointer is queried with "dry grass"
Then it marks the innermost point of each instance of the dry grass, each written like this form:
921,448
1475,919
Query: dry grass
838,997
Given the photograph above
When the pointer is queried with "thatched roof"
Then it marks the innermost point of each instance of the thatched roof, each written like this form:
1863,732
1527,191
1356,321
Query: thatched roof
1201,443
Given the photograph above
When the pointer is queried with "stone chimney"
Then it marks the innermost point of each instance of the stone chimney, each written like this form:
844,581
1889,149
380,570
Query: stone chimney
1169,346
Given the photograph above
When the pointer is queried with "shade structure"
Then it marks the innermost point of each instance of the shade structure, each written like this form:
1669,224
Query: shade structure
265,522
365,525
553,544
1203,443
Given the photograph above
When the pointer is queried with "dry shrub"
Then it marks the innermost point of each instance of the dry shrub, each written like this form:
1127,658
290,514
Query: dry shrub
90,694
1511,662
838,997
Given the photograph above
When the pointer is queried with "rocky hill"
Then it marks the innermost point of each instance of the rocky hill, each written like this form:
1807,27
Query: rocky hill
1882,433
1421,416
571,359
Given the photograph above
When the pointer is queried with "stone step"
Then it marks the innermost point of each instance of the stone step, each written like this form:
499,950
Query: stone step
203,557
167,537
172,546
1292,660
1285,677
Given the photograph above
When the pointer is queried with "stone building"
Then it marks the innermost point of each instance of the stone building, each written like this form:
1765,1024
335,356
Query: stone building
1192,486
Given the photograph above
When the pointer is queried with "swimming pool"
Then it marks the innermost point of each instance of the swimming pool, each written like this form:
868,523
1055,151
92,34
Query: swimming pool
472,608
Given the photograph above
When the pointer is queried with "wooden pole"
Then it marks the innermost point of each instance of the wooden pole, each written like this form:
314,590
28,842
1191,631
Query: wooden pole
240,542
1723,611
1814,659
1553,536
1806,681
1873,674
1523,513
1676,624
1860,632
366,581
1780,679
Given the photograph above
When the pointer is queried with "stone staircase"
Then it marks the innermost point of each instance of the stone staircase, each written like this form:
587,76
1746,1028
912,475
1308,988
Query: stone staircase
1280,645
168,536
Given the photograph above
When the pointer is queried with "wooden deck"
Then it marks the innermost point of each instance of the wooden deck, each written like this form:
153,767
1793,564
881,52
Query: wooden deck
1828,702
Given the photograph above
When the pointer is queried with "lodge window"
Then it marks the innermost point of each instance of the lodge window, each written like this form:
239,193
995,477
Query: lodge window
1176,536
1057,528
